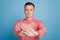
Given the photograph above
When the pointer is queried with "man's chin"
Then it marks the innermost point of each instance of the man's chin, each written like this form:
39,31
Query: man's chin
29,16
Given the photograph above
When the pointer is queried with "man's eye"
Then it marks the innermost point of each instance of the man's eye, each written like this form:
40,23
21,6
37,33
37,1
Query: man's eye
30,9
26,9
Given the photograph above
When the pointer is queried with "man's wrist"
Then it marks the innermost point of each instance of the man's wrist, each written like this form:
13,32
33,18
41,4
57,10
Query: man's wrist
21,34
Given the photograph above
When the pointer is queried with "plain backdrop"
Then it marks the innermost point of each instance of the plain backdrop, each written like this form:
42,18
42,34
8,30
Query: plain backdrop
48,11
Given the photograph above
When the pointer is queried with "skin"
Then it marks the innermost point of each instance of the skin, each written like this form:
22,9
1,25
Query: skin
29,12
28,30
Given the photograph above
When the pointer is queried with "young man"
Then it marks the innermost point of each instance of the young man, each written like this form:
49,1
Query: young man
29,28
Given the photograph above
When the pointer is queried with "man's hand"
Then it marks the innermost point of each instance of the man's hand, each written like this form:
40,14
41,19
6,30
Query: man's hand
28,30
22,34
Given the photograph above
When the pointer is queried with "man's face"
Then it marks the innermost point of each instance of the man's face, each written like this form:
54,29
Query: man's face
29,11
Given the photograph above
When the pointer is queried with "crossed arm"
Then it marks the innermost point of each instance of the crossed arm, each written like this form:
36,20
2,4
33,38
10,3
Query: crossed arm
28,31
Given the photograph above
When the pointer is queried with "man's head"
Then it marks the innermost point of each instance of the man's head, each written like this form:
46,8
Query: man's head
29,9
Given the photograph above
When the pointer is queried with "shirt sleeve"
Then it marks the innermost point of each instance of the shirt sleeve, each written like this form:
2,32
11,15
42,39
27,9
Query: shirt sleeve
17,28
41,29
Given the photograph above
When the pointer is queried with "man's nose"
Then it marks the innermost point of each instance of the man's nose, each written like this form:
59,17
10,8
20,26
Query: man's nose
29,11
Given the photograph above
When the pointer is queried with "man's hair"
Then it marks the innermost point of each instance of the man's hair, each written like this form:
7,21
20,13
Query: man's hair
29,3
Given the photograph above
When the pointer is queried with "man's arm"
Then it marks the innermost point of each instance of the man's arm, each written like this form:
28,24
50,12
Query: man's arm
22,34
41,29
18,29
29,31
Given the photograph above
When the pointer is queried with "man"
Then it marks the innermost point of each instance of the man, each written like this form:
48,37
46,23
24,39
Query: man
29,28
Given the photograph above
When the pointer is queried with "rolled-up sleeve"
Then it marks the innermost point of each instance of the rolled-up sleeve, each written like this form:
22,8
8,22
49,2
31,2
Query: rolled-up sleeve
41,29
17,28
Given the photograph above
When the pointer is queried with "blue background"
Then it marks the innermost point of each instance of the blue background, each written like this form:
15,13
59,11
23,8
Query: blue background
46,10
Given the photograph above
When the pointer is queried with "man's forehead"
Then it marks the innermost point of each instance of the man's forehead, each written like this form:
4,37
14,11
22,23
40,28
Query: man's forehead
29,7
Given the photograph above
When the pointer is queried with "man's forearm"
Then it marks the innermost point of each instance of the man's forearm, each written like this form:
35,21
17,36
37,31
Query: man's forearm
28,30
21,34
33,31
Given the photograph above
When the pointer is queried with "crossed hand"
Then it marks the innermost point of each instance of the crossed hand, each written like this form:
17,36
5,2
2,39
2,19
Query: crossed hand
27,30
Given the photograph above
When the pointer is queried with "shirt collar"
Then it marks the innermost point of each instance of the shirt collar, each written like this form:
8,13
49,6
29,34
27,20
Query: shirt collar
31,20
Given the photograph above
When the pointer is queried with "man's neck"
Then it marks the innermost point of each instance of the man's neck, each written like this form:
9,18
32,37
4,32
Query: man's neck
29,18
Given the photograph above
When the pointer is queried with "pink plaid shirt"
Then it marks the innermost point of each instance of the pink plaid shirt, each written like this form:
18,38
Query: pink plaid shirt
38,26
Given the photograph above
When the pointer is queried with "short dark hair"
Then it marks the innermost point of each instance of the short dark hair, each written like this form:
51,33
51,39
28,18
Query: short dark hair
29,3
